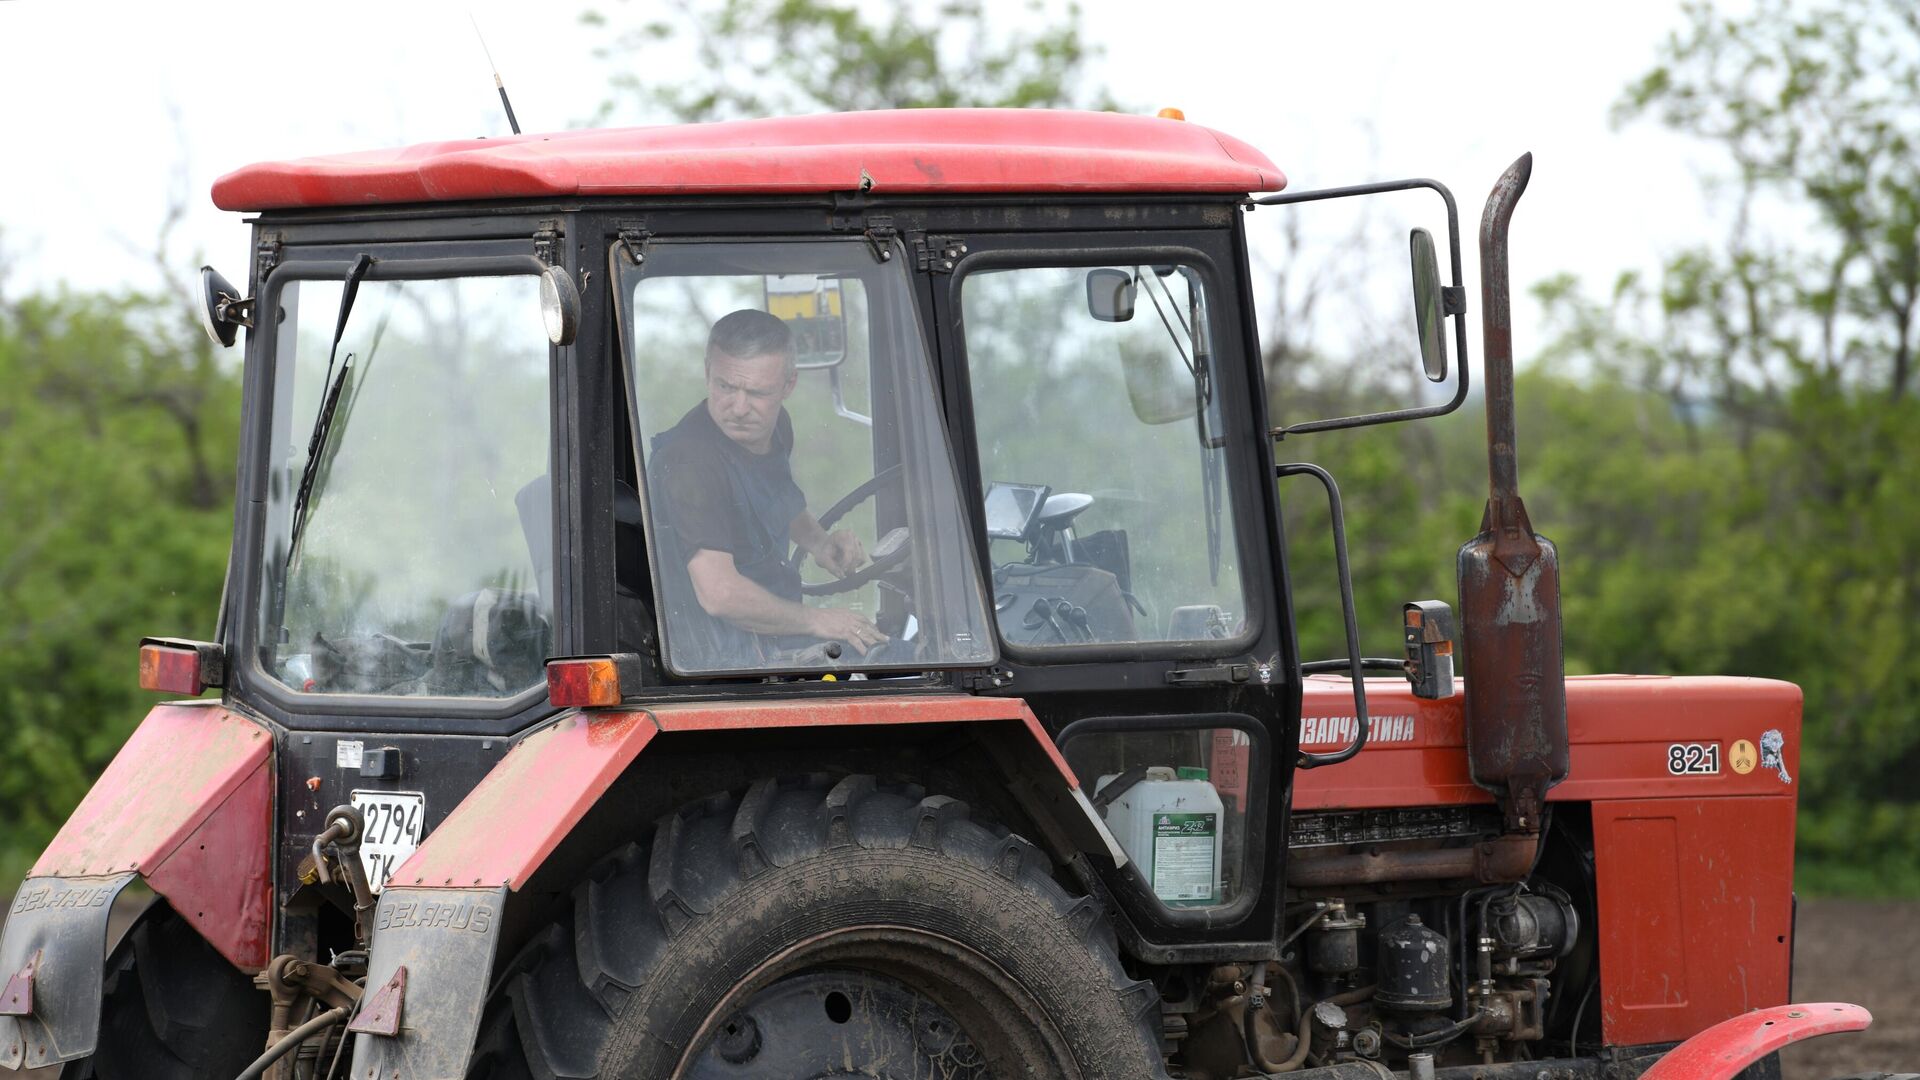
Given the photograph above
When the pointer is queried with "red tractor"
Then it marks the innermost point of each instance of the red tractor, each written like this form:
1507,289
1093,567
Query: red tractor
805,598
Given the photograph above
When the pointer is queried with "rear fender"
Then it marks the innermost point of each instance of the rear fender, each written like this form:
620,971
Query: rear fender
186,805
440,916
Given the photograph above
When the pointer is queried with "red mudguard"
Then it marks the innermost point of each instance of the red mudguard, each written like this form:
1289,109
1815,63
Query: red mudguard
509,825
439,919
1721,1051
187,805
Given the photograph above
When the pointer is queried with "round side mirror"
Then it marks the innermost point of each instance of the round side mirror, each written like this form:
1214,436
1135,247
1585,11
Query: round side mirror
216,296
559,305
1429,311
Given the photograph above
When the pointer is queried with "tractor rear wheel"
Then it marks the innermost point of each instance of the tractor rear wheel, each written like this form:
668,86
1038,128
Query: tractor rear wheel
172,1008
811,929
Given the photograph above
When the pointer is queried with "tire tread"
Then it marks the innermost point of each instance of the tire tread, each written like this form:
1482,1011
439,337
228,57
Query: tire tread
172,1008
554,1016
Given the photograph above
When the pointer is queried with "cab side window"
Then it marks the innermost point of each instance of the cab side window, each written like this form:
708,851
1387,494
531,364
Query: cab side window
1103,470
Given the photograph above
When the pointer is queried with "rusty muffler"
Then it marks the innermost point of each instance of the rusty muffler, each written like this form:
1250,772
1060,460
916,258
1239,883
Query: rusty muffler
1516,695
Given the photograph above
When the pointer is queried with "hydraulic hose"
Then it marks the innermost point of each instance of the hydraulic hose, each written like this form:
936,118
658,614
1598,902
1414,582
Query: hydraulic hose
1435,1038
292,1041
1249,1017
1300,1050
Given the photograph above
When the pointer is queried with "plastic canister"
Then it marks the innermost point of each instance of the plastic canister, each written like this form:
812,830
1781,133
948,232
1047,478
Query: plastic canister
1169,823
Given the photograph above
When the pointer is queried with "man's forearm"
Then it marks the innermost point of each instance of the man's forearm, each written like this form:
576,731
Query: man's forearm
725,593
805,530
750,607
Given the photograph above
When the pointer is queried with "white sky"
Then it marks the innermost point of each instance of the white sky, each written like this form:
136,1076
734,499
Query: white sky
108,107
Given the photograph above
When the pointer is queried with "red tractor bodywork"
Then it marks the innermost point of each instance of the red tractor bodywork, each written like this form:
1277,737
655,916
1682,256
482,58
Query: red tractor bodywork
1695,870
1731,1045
920,151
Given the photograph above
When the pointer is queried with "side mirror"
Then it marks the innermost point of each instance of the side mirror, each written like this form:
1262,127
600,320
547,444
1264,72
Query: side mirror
1161,389
811,306
222,311
559,305
1110,294
1429,308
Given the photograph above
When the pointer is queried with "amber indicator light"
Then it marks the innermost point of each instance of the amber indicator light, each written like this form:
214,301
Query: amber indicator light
170,670
583,683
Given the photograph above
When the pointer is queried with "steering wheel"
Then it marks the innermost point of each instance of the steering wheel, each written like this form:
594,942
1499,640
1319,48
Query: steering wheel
888,552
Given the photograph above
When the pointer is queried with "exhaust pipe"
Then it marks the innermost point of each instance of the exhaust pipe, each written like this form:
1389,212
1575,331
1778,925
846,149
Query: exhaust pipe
1516,694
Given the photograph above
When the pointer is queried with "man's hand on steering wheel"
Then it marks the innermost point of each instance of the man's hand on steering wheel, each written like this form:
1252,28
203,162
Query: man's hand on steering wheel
838,624
840,553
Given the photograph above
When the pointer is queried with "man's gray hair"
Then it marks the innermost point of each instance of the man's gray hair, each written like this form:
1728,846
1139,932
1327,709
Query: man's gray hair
748,333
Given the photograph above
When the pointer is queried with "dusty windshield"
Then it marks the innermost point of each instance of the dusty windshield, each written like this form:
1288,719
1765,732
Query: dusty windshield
803,510
423,555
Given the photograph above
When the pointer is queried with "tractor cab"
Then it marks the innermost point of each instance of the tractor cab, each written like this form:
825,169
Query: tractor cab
1096,514
813,409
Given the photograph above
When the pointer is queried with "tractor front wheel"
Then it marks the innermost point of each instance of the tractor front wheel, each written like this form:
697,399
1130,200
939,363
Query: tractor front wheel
813,929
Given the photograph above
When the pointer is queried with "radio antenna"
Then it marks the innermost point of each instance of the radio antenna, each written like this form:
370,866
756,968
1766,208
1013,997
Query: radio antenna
497,84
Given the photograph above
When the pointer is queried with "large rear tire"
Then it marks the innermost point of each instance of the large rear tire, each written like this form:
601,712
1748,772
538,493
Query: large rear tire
810,929
172,1008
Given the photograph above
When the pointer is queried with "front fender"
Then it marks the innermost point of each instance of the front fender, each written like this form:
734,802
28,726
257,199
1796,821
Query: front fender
186,805
1721,1051
438,924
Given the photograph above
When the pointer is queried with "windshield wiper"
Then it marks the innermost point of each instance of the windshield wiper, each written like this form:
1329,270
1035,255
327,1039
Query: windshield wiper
323,420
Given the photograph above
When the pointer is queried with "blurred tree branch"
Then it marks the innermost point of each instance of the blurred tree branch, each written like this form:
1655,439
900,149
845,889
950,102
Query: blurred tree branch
784,57
1814,106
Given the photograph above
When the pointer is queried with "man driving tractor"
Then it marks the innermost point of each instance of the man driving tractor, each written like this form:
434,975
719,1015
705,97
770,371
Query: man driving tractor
727,507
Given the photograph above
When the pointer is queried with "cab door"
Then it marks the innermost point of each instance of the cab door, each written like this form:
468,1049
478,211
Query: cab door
1107,414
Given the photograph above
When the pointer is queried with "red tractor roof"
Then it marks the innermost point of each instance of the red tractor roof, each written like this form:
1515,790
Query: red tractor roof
921,151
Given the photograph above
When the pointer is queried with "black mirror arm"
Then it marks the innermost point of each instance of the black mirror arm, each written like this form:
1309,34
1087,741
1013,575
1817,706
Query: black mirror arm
1453,297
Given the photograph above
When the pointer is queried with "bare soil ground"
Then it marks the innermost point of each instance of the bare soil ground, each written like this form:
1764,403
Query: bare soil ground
1863,951
1866,952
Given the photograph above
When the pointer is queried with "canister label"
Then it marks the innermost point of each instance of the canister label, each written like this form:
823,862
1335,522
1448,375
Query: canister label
1183,852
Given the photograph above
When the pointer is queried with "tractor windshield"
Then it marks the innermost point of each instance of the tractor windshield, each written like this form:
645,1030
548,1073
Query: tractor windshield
423,554
802,505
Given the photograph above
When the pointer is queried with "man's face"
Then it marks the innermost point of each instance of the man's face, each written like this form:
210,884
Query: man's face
744,395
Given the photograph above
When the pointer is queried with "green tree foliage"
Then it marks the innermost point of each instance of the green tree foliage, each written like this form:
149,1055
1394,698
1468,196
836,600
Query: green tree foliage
117,431
1794,345
1730,479
1814,107
781,57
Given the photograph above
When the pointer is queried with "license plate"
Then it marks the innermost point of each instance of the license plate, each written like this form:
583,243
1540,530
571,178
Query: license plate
394,822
